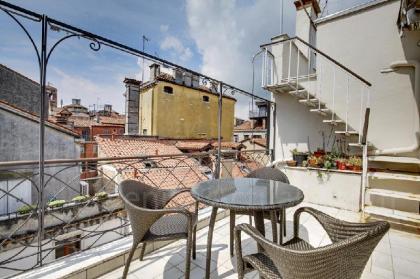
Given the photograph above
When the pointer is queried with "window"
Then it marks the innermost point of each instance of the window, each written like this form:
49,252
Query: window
206,99
236,138
246,137
168,90
67,246
144,131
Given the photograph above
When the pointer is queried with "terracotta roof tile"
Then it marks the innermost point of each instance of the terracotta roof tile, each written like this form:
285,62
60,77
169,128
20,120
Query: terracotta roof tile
229,145
162,172
247,125
193,145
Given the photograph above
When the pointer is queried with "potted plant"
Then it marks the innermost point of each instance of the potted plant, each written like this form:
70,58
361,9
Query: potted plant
356,163
329,161
341,163
101,196
291,163
56,203
25,209
80,199
313,161
299,157
319,153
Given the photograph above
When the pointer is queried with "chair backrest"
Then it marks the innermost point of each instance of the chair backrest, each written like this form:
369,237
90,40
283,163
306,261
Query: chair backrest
140,199
346,258
269,173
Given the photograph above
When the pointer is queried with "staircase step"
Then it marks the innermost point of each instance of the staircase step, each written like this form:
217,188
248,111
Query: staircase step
393,194
313,102
347,133
333,121
395,176
323,111
399,219
394,159
301,93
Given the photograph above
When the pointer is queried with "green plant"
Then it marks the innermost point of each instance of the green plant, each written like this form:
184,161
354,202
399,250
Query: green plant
355,161
56,203
25,209
101,195
80,198
296,152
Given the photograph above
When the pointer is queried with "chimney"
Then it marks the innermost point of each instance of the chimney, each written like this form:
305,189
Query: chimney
154,71
178,76
195,81
132,104
188,79
304,28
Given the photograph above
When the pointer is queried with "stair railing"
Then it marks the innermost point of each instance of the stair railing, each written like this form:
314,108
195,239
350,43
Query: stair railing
316,69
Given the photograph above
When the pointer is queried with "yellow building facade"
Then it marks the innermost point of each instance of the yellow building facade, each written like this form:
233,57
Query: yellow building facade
171,110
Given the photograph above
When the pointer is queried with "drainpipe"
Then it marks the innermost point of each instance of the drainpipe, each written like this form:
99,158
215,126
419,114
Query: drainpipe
394,67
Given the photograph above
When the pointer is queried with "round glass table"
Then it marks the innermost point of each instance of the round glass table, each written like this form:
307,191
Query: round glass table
249,194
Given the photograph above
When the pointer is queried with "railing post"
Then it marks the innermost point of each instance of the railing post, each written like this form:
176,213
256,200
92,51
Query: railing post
263,70
309,73
43,73
333,96
347,103
290,60
297,70
361,114
320,84
219,132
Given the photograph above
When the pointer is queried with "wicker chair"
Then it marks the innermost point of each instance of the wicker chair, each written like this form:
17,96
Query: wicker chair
352,245
263,173
151,221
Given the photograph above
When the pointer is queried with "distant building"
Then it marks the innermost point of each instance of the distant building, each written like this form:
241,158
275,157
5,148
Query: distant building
254,128
19,141
22,92
176,107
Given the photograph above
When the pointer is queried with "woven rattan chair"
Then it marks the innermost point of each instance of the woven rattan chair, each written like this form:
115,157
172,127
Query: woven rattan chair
263,173
352,245
151,221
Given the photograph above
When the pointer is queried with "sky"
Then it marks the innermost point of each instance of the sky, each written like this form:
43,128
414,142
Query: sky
215,37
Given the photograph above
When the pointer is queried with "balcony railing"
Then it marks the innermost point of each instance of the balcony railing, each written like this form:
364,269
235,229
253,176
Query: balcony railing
257,114
84,211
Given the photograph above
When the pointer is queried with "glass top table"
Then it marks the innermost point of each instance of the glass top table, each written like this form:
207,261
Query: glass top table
247,193
250,194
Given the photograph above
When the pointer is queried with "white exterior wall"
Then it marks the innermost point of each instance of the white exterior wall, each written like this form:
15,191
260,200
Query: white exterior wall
336,189
367,42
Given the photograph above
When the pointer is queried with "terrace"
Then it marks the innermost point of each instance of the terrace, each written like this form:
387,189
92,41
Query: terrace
63,217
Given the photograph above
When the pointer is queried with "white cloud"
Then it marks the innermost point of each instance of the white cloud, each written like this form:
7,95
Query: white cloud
90,92
229,33
171,43
164,28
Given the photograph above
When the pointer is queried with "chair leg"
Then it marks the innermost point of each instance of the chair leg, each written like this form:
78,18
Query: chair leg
127,264
188,256
250,220
232,227
194,243
142,250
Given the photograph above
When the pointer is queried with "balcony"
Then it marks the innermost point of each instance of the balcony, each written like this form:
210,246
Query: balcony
396,256
253,114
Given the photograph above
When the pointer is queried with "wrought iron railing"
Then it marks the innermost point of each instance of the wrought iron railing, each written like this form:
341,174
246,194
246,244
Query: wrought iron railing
84,211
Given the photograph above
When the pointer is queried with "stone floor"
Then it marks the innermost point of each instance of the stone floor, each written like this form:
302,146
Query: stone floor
396,256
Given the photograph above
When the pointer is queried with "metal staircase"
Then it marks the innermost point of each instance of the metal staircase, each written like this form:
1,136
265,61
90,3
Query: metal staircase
342,97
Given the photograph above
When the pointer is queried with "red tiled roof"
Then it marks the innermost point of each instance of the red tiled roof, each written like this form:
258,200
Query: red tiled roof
247,125
162,172
193,145
260,141
114,120
228,145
